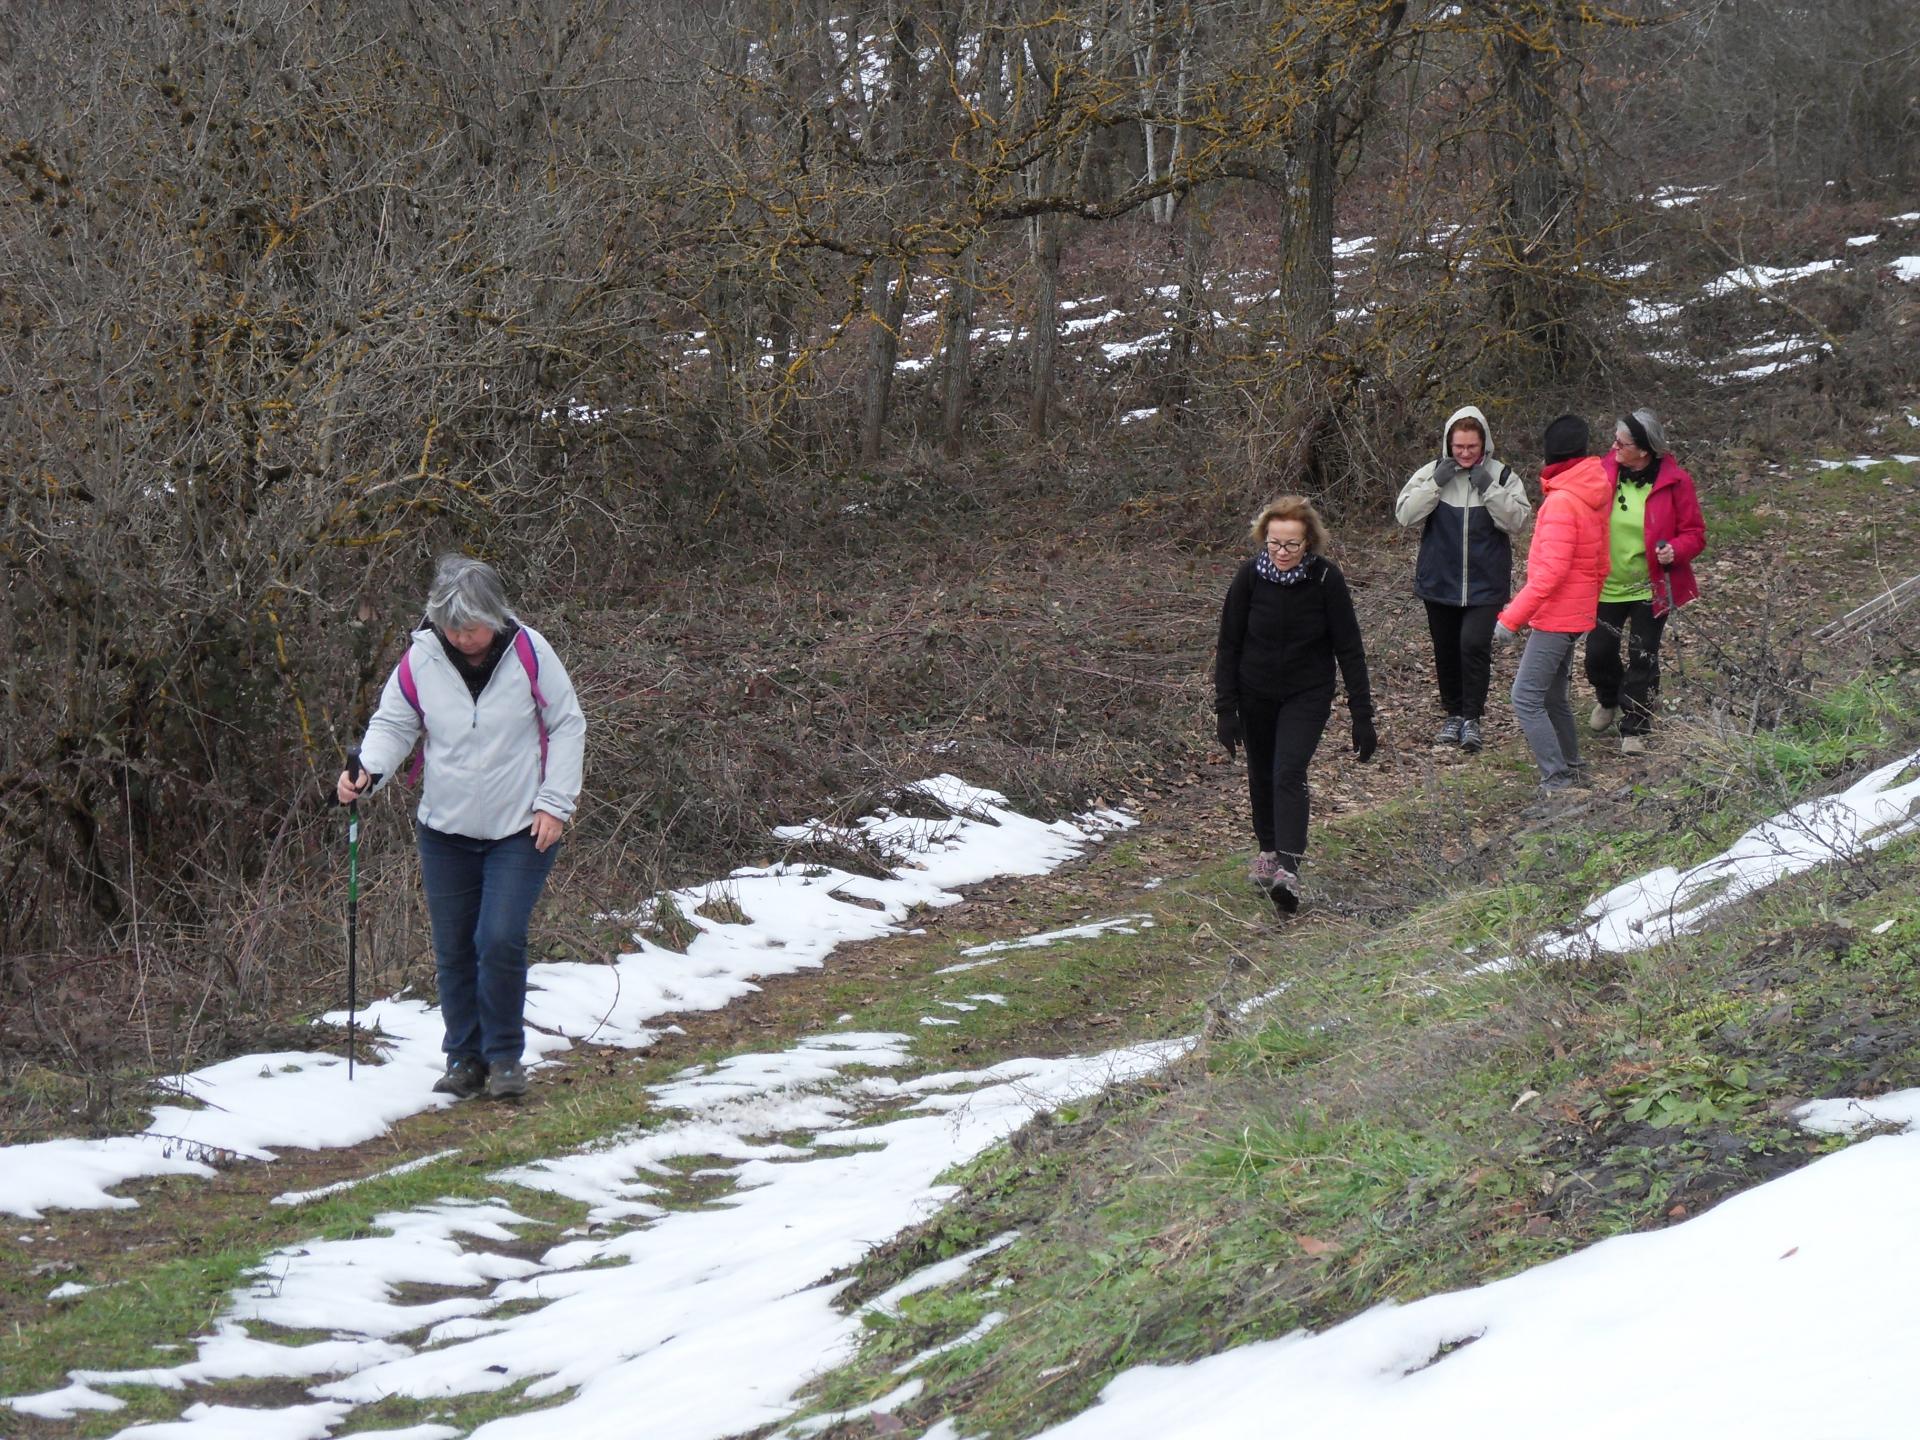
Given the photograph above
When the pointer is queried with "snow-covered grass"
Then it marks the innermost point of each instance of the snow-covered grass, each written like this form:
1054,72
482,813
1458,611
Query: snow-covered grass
716,1318
795,916
1781,1314
1757,1276
711,1320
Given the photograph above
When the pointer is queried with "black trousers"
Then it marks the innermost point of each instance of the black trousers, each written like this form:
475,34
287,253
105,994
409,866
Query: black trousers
1630,687
1462,655
1281,736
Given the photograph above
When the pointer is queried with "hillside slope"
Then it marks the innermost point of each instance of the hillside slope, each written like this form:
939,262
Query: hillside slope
1284,1125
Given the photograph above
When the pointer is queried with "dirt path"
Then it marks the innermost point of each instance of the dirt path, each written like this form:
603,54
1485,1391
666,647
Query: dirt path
1190,818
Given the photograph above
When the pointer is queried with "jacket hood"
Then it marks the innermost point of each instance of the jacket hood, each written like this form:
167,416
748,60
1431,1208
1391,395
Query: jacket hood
1466,412
1586,480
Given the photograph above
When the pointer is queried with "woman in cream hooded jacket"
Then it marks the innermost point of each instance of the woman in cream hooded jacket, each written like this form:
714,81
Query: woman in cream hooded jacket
1468,505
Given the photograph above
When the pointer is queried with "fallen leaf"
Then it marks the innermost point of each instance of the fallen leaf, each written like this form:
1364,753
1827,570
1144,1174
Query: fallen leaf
1317,1247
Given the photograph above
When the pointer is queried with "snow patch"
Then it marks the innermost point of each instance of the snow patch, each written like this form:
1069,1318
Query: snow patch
1765,277
250,1107
1118,925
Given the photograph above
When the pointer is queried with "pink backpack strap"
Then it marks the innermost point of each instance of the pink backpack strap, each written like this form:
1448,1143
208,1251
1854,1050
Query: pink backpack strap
411,691
530,662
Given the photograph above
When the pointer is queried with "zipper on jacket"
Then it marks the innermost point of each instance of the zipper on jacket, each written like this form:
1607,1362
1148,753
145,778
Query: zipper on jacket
1466,544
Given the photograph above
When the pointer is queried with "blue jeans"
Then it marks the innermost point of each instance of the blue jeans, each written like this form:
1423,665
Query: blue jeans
1545,712
480,896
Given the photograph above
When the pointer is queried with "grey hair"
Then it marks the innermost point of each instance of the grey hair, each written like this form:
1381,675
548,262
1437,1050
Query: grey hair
466,592
1649,424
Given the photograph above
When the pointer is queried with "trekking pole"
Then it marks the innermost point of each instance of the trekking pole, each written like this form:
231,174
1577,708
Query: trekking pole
354,772
1666,581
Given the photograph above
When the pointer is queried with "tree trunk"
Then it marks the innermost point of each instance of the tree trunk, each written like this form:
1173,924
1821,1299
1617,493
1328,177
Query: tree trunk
1192,314
887,304
957,380
889,309
1309,265
1046,244
1529,242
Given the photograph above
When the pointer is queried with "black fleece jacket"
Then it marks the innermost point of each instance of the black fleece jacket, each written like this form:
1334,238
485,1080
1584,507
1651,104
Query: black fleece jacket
1280,640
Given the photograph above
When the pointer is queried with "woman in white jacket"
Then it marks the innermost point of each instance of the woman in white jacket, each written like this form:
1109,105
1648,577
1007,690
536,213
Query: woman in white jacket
502,738
1468,506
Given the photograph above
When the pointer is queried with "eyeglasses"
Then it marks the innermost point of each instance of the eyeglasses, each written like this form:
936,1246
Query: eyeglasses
1287,547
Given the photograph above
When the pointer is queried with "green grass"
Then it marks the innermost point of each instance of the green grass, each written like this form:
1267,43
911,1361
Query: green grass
1389,1126
140,1303
1735,519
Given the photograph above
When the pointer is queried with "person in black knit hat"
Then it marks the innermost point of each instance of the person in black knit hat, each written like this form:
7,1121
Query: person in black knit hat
1565,564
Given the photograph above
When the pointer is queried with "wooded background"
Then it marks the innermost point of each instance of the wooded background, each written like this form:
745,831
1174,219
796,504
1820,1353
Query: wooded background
295,295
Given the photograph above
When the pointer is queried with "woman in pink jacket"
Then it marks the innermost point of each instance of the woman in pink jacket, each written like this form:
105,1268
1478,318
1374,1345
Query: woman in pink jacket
1655,533
1566,564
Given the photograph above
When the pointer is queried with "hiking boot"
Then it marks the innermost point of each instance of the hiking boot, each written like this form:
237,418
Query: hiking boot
1260,873
1602,717
1471,740
507,1081
466,1077
1451,731
1633,744
1284,890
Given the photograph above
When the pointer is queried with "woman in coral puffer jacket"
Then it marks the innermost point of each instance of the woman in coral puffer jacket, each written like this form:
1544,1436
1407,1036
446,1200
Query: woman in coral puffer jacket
1566,564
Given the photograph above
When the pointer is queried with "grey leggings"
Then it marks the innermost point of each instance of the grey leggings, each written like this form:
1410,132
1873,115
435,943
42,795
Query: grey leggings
1546,714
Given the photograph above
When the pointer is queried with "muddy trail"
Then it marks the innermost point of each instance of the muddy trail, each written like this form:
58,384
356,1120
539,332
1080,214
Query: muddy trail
1739,659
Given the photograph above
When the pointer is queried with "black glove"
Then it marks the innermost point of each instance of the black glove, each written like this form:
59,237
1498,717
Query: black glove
1444,470
1480,477
1365,740
1227,726
355,770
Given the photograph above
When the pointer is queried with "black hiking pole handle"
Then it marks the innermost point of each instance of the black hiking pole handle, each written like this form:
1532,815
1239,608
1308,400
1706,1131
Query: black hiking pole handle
1666,579
354,771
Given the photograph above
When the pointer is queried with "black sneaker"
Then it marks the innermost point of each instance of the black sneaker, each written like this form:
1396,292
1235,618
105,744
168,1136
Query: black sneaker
466,1077
1451,731
1471,740
1284,890
507,1082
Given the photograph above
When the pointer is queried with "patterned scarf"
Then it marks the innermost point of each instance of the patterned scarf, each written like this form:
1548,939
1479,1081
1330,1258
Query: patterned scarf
1264,567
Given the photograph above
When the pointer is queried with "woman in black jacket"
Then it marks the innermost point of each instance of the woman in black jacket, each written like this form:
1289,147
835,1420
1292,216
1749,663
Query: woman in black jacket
1287,620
